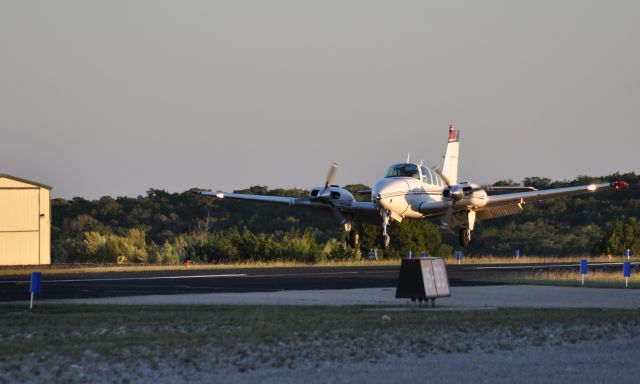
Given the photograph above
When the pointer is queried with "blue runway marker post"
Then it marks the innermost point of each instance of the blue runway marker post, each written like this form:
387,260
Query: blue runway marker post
423,254
584,268
626,271
517,254
459,256
34,287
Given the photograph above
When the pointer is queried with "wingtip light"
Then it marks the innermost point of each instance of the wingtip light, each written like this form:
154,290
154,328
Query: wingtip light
619,184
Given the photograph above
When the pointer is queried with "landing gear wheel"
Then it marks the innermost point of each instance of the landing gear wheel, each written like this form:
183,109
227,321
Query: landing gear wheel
353,238
464,236
386,240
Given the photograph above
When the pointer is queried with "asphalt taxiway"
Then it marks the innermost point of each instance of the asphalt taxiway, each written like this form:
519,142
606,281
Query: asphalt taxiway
462,298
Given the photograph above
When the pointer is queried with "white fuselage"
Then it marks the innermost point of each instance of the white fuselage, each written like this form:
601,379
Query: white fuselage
419,195
403,196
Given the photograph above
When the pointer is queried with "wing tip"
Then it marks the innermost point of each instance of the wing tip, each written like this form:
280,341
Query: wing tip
219,195
618,184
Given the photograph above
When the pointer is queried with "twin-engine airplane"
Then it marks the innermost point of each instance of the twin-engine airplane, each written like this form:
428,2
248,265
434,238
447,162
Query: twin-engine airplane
414,191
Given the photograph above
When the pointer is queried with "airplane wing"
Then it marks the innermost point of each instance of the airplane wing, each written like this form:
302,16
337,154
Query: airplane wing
512,203
345,206
281,200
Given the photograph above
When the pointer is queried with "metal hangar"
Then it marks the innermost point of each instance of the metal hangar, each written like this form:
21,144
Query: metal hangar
25,222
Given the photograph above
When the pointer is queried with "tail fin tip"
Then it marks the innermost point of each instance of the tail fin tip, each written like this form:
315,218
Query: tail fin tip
454,134
450,166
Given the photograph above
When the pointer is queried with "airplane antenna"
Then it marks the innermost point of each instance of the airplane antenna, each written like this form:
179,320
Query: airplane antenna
408,156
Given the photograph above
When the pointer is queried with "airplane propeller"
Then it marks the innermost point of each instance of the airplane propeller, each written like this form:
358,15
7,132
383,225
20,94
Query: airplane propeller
456,192
332,173
324,196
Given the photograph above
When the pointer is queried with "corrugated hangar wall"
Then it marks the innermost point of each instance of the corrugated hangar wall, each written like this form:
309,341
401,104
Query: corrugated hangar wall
25,222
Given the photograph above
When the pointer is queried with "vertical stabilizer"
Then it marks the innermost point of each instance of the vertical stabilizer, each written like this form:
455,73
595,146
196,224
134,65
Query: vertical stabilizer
450,166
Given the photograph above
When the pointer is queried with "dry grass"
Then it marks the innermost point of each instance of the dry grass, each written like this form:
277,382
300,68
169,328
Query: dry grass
597,279
537,259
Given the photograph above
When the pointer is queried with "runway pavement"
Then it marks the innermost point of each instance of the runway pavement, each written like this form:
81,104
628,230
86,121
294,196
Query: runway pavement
200,281
168,282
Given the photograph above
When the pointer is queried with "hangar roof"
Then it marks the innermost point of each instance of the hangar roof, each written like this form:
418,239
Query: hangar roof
26,181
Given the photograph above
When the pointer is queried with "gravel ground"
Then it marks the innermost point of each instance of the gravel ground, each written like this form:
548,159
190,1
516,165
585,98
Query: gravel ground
584,362
588,362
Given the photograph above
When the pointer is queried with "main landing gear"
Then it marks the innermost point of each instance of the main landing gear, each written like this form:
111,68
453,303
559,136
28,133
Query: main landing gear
464,236
353,235
353,238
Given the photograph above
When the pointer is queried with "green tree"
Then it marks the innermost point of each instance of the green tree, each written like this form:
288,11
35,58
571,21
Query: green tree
622,236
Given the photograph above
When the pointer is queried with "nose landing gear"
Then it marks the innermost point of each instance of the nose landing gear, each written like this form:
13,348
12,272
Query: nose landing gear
386,239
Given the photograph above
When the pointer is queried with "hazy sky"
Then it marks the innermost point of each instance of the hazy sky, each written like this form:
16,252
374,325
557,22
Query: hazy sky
115,97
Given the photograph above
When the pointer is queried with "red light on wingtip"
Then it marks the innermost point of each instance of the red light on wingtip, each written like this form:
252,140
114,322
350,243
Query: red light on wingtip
618,185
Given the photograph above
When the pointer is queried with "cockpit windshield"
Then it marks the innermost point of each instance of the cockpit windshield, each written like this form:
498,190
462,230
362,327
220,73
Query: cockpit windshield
403,170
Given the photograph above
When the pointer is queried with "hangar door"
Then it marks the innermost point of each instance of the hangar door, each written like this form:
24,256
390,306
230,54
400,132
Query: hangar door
19,226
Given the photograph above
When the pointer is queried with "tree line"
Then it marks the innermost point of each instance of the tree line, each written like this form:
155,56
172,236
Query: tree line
162,227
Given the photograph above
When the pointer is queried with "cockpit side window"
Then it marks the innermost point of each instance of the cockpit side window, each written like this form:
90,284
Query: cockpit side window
436,179
427,176
403,170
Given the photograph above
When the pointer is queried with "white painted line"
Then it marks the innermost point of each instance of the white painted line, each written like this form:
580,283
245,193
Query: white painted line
181,277
307,274
129,278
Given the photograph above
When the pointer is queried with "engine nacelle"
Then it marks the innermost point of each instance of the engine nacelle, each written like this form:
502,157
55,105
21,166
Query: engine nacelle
474,196
456,192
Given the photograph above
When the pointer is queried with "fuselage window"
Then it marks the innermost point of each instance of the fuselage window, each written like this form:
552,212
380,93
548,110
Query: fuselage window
403,170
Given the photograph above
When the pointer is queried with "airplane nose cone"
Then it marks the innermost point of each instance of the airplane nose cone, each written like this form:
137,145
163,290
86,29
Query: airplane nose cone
389,194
